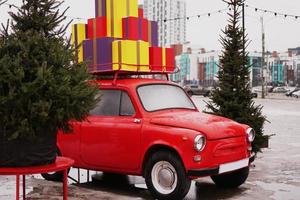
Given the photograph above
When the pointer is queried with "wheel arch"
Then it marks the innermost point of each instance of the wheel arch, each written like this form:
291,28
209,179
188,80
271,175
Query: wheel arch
159,147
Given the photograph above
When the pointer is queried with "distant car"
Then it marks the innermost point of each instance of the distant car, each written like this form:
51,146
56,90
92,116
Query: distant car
193,89
257,89
290,93
254,95
280,90
270,88
296,94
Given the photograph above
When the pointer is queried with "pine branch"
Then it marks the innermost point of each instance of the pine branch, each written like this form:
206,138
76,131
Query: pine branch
4,30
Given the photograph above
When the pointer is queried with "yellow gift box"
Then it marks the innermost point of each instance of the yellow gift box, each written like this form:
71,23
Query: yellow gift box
129,55
79,34
116,10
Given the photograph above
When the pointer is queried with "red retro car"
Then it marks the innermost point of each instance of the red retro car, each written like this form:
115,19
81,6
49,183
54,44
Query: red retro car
153,129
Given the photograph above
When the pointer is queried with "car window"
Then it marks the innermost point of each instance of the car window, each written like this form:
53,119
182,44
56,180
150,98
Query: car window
113,103
109,103
194,86
127,108
163,96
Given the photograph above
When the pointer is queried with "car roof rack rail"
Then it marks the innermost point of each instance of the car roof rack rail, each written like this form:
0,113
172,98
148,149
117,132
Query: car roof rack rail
119,74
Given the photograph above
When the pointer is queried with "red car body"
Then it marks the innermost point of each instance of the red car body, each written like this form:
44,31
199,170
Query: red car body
122,144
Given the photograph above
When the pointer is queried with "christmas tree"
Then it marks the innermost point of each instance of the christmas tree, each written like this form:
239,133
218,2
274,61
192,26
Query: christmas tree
41,86
232,98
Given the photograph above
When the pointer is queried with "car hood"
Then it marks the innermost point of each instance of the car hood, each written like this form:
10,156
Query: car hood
213,127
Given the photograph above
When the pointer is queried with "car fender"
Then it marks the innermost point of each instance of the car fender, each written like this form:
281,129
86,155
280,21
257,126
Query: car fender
160,146
177,140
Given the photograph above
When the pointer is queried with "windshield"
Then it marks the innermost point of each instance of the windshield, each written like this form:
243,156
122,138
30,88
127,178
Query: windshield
160,97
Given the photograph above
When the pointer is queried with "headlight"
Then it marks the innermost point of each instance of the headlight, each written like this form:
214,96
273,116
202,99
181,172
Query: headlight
251,134
199,143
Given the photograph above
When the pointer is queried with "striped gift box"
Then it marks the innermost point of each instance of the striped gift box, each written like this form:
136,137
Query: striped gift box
98,54
115,11
97,28
135,28
129,55
153,33
161,59
79,34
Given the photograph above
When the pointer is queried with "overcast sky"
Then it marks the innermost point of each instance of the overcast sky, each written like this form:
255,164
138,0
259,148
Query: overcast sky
280,33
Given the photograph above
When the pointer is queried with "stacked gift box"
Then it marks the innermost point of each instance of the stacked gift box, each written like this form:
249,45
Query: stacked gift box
120,38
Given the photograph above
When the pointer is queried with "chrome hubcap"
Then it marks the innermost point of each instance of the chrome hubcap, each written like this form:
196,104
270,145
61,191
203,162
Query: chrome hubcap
164,177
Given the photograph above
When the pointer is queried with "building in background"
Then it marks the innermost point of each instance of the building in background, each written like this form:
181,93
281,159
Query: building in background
297,70
285,67
195,65
294,51
255,63
208,67
171,17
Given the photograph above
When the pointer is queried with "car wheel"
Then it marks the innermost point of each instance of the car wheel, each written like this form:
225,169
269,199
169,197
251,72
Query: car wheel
231,180
55,176
165,176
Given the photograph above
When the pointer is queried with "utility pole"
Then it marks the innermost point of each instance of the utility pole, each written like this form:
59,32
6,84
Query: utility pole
263,58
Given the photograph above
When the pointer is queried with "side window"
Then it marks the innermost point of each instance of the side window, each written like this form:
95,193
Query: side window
109,104
127,108
113,103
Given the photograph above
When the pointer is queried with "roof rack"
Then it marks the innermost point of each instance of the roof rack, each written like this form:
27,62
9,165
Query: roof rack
126,74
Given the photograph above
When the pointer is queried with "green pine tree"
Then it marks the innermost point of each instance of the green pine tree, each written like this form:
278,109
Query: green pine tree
232,98
41,86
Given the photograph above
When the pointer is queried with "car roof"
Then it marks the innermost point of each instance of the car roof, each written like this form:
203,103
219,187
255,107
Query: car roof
132,82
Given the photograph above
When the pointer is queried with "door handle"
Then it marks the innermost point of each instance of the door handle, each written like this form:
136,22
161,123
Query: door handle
137,121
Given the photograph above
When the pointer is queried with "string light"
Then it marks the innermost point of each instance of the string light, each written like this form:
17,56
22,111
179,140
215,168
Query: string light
285,15
10,5
209,14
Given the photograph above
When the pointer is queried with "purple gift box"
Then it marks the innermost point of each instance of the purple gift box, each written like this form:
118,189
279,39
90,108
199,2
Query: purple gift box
98,54
153,33
100,8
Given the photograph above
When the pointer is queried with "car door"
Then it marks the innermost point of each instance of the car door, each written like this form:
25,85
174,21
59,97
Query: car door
111,136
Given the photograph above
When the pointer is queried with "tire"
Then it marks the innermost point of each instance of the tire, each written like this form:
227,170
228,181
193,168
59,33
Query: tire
174,184
55,176
231,180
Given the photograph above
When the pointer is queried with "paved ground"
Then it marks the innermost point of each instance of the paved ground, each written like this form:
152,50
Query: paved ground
275,176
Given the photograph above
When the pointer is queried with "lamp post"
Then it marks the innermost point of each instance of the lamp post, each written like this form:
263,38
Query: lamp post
263,59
